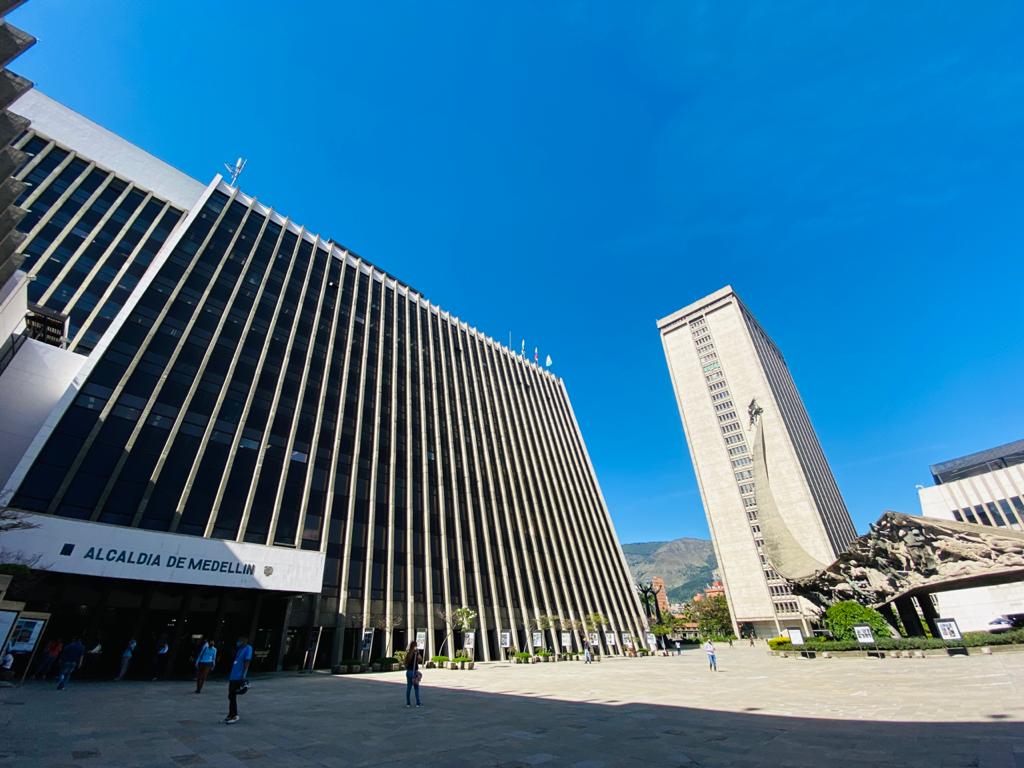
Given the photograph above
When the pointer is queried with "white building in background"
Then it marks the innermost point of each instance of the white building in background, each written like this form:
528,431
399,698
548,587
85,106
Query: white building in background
721,361
985,488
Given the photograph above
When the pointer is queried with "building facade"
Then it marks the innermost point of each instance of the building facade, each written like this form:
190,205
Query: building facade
983,488
309,449
728,375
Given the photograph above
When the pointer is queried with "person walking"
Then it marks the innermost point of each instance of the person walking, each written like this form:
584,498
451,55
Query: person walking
50,656
709,649
412,674
679,648
204,663
126,659
587,657
160,658
237,679
70,660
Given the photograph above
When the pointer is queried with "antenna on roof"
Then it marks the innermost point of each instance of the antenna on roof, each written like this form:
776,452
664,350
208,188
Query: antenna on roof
235,170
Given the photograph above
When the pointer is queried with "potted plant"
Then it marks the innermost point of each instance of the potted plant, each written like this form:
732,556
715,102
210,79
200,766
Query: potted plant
523,657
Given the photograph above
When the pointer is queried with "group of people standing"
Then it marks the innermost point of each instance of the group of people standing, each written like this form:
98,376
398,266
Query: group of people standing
69,657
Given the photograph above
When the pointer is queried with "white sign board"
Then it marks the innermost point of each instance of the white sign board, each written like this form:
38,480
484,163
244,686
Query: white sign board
538,639
627,640
609,637
652,641
367,640
469,640
948,629
567,640
863,634
114,551
506,639
421,639
25,635
7,619
595,640
796,636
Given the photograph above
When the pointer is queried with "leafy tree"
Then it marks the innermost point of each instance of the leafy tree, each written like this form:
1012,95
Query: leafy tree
840,618
712,617
649,598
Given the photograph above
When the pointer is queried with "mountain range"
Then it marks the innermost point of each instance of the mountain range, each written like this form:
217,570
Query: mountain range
686,565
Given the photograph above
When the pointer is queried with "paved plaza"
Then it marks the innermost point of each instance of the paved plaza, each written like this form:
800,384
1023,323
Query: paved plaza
757,710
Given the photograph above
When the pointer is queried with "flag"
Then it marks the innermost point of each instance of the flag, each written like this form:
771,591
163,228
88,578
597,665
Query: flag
547,361
522,348
536,354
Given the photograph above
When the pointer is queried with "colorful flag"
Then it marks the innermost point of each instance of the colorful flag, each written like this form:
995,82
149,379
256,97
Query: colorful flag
536,354
522,348
547,362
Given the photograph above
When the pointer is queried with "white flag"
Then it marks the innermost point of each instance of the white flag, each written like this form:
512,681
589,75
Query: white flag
522,348
547,361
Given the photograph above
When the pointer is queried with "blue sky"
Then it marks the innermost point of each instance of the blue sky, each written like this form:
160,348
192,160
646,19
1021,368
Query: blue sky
572,171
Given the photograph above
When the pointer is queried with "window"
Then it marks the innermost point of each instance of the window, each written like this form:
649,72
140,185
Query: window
719,396
727,428
747,488
751,515
712,367
723,406
957,516
714,377
737,450
744,475
708,358
701,339
705,348
750,502
733,439
743,461
727,416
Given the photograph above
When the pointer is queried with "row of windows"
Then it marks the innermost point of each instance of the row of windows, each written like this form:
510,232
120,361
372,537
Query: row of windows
1001,512
734,439
87,251
246,412
787,606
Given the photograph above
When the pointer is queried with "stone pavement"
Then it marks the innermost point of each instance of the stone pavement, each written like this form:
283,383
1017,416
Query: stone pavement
757,710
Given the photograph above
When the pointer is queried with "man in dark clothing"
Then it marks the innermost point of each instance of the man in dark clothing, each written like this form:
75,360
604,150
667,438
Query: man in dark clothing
237,677
70,660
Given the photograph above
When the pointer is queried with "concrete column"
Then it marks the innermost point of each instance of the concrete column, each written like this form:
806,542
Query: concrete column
908,615
929,613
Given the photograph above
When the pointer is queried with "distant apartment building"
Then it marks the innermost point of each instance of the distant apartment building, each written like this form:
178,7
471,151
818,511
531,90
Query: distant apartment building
984,488
728,375
662,595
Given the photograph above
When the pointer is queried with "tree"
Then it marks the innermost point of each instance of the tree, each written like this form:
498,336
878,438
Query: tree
457,620
594,621
712,617
840,618
649,597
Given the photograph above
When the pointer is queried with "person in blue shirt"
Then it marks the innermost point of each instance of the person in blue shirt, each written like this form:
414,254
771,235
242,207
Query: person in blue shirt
205,660
70,660
239,671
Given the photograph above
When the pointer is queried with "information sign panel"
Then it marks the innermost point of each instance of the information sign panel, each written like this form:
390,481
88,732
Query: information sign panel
566,640
864,634
796,635
469,641
948,629
506,639
538,639
421,639
25,635
652,641
609,637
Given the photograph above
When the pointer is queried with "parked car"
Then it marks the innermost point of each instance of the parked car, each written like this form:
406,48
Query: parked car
1006,622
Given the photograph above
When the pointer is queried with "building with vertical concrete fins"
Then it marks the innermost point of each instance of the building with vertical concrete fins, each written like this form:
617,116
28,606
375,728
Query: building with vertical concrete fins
771,501
249,428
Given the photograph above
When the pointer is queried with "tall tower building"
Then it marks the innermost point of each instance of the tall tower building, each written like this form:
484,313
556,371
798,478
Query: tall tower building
772,505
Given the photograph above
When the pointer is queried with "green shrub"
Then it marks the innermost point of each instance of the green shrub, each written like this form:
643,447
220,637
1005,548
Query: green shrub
351,662
400,657
776,643
523,656
440,659
543,652
386,661
841,617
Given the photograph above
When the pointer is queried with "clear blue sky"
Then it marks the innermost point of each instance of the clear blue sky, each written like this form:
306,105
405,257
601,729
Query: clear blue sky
571,171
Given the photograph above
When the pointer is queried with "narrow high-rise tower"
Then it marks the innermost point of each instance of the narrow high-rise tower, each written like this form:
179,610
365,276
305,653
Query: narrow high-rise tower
772,505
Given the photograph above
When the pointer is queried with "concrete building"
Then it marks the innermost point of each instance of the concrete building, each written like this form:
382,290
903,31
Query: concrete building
250,429
984,488
728,374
